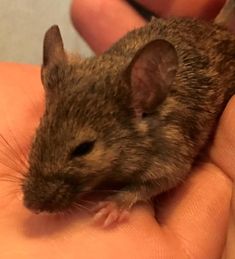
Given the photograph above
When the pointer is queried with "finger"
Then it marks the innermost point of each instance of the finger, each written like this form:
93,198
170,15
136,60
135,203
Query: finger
223,149
114,18
102,22
223,154
198,211
230,240
201,8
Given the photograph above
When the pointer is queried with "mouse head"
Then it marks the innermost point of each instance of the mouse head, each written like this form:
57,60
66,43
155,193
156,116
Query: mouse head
98,124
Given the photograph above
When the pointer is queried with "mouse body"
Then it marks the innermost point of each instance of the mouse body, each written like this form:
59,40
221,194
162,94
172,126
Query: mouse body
131,121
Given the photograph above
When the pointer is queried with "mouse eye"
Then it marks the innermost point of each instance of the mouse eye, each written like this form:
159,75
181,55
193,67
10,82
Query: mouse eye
83,149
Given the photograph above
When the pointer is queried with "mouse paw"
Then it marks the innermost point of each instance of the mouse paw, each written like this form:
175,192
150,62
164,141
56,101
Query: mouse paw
116,208
108,213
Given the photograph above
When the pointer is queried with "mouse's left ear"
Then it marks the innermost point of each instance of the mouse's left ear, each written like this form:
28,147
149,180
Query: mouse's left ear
53,53
151,74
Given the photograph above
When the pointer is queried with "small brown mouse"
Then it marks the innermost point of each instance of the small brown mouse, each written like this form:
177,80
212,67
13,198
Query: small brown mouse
132,120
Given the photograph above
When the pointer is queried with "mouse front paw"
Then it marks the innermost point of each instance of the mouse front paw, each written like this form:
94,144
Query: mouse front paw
108,212
114,209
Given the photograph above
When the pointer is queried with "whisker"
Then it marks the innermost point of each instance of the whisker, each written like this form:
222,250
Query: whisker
11,162
12,150
9,180
81,207
12,177
28,143
7,144
89,203
107,191
23,161
102,191
11,167
11,184
8,155
10,193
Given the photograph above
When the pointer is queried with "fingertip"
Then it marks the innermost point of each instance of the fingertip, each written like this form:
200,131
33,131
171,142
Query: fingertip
102,22
206,9
201,8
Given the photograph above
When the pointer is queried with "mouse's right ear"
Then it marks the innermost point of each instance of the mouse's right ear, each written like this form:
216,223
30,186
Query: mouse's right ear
54,54
151,74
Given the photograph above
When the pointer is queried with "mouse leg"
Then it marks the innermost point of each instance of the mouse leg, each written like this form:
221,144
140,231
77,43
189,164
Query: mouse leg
116,208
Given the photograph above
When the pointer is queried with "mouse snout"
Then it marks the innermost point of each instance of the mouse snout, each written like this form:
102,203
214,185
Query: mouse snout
49,194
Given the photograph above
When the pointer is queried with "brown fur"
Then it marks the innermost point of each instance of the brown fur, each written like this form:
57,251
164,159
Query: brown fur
91,99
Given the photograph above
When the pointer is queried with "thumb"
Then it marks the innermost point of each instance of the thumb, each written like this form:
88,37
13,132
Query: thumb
223,155
223,149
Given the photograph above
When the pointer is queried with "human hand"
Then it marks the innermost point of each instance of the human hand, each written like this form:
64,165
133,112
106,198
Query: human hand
102,22
192,220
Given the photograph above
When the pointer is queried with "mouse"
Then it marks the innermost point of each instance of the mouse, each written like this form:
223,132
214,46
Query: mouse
131,121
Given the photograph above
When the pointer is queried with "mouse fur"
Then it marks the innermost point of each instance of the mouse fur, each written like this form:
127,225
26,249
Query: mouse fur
135,117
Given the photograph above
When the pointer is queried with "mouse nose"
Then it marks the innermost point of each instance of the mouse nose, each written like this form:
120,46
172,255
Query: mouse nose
49,194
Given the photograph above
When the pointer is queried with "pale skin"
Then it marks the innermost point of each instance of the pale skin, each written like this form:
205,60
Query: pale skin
191,223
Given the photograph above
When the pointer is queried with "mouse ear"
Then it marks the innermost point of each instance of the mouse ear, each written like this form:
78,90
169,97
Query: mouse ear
151,74
53,47
53,51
